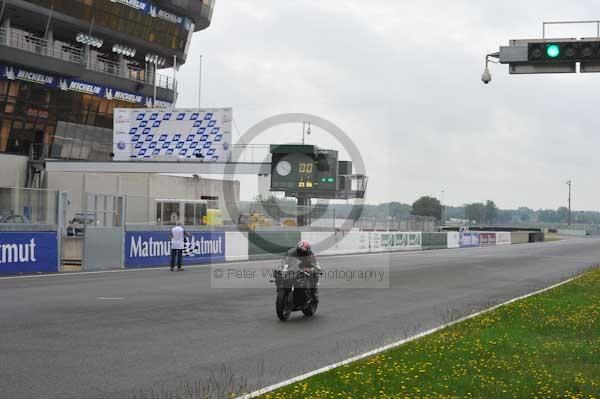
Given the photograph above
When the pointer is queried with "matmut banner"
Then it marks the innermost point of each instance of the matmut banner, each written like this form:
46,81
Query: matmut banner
172,134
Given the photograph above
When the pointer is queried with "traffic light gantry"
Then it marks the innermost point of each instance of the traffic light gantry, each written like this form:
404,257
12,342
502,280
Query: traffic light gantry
549,55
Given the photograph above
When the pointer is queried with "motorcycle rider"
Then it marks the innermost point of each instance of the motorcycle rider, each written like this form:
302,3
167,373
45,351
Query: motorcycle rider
309,264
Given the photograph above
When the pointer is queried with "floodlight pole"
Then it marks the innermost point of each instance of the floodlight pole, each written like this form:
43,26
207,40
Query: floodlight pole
569,183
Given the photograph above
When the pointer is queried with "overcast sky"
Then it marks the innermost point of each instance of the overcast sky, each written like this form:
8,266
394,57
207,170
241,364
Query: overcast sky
402,78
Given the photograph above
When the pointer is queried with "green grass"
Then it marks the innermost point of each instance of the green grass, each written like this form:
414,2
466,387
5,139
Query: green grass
545,346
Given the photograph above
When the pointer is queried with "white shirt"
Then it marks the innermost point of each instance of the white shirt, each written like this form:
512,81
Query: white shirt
177,239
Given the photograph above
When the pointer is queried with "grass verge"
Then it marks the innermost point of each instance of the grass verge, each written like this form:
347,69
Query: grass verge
545,346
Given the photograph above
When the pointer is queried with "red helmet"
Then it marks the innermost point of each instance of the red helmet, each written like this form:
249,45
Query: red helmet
303,246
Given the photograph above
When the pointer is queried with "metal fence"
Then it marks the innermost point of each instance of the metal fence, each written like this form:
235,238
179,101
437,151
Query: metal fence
29,42
24,207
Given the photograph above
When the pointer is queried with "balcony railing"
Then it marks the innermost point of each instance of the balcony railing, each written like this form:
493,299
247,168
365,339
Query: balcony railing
28,42
63,51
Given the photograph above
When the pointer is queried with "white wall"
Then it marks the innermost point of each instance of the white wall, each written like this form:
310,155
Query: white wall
14,170
454,239
503,238
330,243
236,246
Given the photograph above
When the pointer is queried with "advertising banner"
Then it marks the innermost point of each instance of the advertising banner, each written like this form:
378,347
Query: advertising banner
153,248
469,239
149,8
401,241
66,84
28,252
487,239
172,134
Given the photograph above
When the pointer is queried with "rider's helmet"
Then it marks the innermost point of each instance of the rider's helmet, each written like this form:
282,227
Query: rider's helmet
303,248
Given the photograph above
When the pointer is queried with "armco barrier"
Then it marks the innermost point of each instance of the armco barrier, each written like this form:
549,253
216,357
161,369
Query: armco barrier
384,242
338,243
469,239
236,246
153,248
503,238
271,243
453,239
434,240
28,252
487,239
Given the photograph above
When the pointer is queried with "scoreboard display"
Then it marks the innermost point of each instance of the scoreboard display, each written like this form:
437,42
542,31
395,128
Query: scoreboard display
304,170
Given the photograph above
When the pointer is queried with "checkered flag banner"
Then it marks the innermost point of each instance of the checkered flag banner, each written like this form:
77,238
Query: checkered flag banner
189,249
173,135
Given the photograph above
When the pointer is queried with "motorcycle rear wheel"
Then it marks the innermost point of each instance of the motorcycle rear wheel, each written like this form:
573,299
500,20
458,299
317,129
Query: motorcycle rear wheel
283,306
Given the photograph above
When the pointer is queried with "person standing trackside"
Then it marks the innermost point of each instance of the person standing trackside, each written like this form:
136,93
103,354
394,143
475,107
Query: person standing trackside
177,236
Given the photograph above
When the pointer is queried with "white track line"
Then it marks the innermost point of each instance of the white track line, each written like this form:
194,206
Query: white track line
393,345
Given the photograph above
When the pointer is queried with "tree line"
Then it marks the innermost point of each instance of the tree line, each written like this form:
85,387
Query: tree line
478,212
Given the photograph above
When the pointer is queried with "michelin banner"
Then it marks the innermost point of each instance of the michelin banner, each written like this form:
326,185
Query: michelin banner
28,252
153,248
14,73
172,134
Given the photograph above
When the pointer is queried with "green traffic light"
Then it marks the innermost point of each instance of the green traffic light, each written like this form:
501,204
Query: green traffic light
553,50
331,180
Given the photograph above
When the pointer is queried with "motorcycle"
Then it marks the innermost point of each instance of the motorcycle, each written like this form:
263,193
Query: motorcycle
295,289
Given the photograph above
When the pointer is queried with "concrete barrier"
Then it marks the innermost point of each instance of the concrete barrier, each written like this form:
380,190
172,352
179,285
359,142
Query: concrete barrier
271,244
576,233
503,238
519,237
434,240
453,239
338,243
537,236
72,250
236,246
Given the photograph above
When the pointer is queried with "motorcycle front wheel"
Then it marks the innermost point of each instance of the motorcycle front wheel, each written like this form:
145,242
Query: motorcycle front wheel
311,309
284,304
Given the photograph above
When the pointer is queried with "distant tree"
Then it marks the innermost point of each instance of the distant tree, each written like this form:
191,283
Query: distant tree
356,213
490,212
427,206
475,212
562,215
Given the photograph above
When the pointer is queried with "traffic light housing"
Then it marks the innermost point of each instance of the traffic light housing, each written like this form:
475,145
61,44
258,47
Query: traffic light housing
564,51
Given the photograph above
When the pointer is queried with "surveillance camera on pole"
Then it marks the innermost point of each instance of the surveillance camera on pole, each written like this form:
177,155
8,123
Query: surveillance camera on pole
487,76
